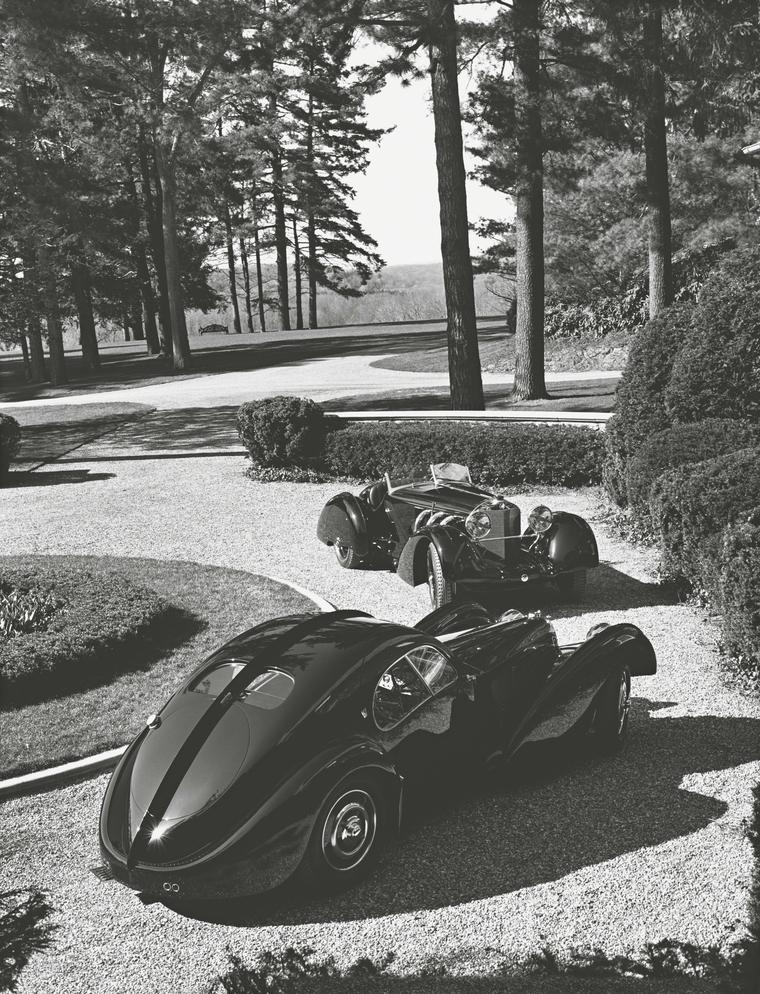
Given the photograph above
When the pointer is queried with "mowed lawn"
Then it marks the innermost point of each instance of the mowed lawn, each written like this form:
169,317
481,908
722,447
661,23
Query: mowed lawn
224,602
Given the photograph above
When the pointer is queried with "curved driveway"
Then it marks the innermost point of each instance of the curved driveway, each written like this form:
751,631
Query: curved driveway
608,854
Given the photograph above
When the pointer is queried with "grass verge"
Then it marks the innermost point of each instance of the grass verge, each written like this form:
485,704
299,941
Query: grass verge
225,601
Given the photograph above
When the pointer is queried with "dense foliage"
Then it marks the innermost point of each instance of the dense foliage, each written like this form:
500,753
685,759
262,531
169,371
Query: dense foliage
717,369
734,581
498,455
640,408
102,624
10,442
691,505
282,431
679,445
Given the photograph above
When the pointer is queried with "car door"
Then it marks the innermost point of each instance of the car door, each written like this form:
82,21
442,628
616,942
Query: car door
411,709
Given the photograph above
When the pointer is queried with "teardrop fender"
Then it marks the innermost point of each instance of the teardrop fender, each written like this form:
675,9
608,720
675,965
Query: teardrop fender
572,543
572,688
343,520
412,566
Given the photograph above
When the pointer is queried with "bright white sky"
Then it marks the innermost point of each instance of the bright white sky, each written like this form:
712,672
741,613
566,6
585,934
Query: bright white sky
397,198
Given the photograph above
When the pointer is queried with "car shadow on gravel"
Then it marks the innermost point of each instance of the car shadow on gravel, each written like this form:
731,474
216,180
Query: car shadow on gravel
608,590
554,814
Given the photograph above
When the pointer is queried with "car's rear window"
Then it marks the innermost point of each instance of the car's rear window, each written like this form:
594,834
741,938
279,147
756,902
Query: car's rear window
266,690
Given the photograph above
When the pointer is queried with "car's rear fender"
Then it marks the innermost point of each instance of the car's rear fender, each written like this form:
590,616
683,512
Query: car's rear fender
412,564
572,688
571,542
344,520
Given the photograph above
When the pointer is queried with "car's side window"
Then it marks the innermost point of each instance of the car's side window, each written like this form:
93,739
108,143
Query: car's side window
399,691
433,667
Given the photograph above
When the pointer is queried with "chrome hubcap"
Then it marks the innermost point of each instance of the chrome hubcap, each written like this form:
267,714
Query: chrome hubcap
349,830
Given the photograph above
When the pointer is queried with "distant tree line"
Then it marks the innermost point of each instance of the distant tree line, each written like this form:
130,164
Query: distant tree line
139,137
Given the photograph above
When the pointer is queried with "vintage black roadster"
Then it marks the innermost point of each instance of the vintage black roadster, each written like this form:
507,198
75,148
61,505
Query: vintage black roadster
295,747
447,532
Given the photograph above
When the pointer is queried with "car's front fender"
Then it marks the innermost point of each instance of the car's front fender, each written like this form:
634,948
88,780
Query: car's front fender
449,543
343,520
571,542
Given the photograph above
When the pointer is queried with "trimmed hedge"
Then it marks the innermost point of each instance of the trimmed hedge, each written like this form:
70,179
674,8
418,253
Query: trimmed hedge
717,371
734,582
282,431
10,441
691,505
640,407
679,445
498,455
100,627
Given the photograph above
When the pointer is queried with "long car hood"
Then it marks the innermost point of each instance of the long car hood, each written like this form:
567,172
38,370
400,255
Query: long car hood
460,498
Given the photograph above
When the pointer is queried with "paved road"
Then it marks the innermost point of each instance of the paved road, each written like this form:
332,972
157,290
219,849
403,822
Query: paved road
320,379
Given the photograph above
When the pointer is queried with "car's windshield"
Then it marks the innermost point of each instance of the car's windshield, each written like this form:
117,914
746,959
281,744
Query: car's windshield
450,472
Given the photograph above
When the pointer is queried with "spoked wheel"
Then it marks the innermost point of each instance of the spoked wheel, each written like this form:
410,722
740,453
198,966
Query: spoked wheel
573,585
441,590
347,834
346,556
611,724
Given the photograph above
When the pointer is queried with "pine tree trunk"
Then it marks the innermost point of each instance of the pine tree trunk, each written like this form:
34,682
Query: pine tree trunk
529,203
126,327
311,221
246,283
25,356
280,233
58,373
80,281
311,269
231,269
257,255
464,359
138,329
144,283
154,219
180,345
297,274
656,150
36,350
148,300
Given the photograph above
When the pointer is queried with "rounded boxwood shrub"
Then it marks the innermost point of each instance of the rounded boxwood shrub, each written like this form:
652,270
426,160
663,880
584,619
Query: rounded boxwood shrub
498,455
282,431
692,504
640,405
735,584
679,445
10,440
101,624
717,370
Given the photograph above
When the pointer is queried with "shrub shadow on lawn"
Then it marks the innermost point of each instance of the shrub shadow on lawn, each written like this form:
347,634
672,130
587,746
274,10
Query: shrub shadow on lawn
556,813
137,652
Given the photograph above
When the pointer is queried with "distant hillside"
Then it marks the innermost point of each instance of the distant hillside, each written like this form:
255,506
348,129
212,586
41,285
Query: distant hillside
398,293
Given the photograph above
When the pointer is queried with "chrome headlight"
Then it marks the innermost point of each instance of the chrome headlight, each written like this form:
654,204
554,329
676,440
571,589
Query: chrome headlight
540,519
477,523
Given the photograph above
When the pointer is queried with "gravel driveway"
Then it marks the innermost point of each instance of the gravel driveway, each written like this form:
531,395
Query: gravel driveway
611,854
